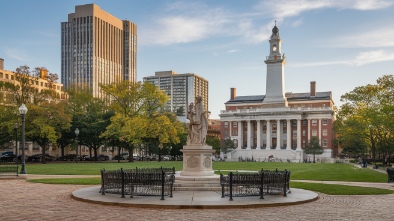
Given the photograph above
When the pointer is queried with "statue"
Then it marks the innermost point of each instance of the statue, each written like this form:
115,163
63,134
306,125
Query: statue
198,126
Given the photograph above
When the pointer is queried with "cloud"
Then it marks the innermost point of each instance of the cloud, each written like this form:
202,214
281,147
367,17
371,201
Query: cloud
289,8
372,57
17,54
381,37
232,51
185,22
363,58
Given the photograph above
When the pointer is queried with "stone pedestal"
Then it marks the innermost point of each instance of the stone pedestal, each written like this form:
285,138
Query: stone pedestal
197,160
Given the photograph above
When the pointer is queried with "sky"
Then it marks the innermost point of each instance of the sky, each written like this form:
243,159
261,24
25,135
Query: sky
340,44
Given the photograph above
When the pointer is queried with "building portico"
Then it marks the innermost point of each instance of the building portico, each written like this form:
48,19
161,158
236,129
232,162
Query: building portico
278,124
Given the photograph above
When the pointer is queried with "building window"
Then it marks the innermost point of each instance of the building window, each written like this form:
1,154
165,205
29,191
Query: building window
325,122
226,124
235,124
304,123
303,132
314,133
225,134
324,132
294,123
314,122
235,133
303,143
6,76
273,128
324,142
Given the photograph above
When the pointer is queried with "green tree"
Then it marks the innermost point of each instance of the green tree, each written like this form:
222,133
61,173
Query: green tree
314,147
214,142
91,116
227,146
45,122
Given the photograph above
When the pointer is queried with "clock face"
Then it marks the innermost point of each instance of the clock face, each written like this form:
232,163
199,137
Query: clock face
274,48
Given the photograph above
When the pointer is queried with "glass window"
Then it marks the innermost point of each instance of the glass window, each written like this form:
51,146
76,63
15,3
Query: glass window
325,122
314,133
314,122
325,142
324,132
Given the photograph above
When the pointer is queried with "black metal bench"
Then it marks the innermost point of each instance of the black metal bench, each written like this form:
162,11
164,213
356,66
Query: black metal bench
261,183
138,181
9,170
390,174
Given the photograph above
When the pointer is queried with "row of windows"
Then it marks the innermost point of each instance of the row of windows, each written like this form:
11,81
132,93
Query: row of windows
304,123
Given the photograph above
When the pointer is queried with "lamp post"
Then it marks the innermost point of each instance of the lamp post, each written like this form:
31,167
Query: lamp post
16,142
76,148
23,111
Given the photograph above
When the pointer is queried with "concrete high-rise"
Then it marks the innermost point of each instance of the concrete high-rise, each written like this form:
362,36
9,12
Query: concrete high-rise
97,48
182,89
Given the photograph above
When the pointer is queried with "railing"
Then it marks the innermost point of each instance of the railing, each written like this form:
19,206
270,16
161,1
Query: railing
138,181
267,110
264,182
9,170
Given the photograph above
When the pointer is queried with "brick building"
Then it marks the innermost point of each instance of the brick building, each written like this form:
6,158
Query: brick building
278,124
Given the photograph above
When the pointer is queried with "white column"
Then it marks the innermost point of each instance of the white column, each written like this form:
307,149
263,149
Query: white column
229,129
288,135
298,134
258,135
320,132
240,135
249,134
268,132
278,134
309,130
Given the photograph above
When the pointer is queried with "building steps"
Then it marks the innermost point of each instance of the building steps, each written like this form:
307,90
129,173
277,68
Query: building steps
191,183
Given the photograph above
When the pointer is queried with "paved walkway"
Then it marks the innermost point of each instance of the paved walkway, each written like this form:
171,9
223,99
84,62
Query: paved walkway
21,200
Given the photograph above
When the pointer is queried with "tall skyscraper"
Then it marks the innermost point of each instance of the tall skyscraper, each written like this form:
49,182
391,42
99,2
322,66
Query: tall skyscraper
97,48
182,89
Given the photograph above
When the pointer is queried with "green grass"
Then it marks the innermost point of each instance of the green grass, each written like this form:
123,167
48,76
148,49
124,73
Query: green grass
334,189
299,171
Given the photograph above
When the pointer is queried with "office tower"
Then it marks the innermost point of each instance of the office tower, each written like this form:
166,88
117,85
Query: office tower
182,89
97,48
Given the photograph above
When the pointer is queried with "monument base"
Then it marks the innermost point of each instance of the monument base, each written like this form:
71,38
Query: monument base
197,160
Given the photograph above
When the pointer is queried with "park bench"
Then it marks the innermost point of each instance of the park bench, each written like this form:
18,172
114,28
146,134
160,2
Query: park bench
390,174
8,170
138,181
261,183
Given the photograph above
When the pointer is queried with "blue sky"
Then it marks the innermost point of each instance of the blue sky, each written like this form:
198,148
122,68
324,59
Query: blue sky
340,44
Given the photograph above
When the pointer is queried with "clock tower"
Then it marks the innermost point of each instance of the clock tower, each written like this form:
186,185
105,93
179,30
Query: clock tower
275,88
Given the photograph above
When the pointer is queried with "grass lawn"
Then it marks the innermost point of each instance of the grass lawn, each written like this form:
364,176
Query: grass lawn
333,189
299,171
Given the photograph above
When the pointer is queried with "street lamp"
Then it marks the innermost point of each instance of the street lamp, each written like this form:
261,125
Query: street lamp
23,111
16,142
76,148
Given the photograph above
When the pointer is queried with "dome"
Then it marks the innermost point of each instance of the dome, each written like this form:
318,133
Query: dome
275,30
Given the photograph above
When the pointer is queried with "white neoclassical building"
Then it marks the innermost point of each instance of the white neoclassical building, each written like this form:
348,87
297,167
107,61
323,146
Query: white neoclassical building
278,124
